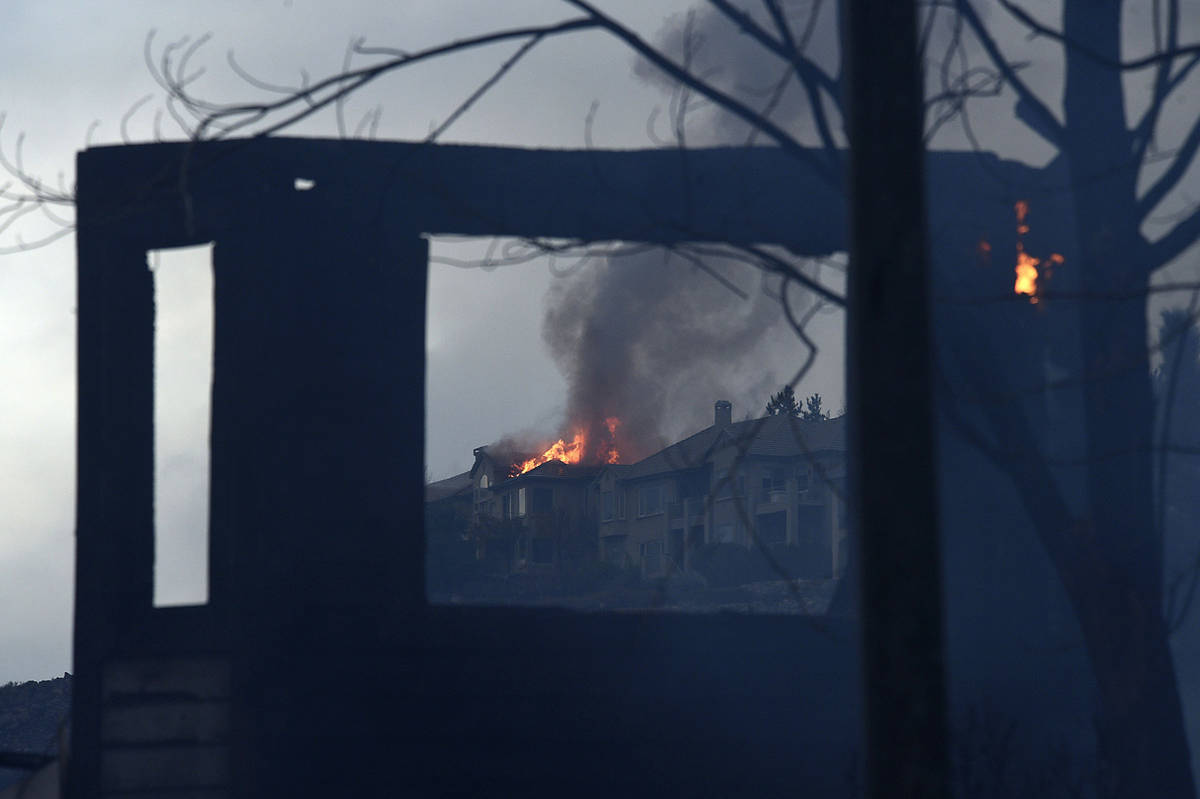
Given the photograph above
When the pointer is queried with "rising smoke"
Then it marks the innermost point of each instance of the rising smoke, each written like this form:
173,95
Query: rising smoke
651,338
654,340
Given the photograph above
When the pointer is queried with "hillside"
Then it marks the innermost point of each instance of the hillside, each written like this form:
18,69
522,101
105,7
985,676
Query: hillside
30,715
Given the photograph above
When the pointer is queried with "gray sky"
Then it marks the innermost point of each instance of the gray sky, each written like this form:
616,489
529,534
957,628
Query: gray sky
69,63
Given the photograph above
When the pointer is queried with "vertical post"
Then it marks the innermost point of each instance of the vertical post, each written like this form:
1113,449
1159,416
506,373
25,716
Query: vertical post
317,453
892,460
114,516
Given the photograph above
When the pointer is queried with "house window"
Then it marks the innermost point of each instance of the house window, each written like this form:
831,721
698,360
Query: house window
726,484
802,478
652,556
692,485
542,500
612,505
483,481
649,500
614,552
521,501
772,528
772,481
542,550
506,506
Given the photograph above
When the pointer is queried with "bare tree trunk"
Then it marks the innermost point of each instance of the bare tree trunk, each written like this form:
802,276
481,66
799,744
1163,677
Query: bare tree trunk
1117,584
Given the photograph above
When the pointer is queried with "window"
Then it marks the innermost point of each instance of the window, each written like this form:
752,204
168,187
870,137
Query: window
542,500
802,478
652,556
506,506
614,551
612,505
542,550
521,501
773,481
772,528
183,359
692,485
649,500
725,485
483,481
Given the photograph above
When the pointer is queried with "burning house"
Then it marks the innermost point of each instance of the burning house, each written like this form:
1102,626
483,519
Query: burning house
774,483
534,520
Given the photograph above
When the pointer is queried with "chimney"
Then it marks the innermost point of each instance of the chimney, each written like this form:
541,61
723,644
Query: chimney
723,413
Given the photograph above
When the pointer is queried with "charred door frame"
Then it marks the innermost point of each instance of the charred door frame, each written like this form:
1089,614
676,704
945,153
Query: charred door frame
140,197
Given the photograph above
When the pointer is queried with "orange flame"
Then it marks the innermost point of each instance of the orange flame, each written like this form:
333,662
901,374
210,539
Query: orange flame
1032,273
576,450
612,423
558,451
1027,275
983,253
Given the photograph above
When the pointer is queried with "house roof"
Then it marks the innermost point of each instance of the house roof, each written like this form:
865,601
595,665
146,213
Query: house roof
769,436
558,470
787,436
451,486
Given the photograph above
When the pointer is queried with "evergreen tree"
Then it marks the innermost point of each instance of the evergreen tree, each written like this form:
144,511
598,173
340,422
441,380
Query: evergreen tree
783,402
812,410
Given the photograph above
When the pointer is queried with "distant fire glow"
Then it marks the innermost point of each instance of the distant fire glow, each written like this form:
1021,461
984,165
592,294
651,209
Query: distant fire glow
1032,273
984,252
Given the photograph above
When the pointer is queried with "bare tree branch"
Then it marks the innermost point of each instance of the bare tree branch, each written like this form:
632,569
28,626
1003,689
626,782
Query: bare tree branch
722,99
330,90
1182,160
1006,69
1175,243
812,78
1169,55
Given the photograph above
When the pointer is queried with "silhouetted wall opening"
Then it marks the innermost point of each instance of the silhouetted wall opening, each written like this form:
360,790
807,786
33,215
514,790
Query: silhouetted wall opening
183,348
577,401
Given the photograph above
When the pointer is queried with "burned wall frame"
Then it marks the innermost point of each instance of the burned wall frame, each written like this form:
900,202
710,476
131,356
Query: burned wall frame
317,584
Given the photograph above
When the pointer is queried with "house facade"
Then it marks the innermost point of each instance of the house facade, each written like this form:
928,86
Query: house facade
770,483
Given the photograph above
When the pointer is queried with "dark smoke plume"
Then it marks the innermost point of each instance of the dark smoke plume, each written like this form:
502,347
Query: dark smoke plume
651,339
654,340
